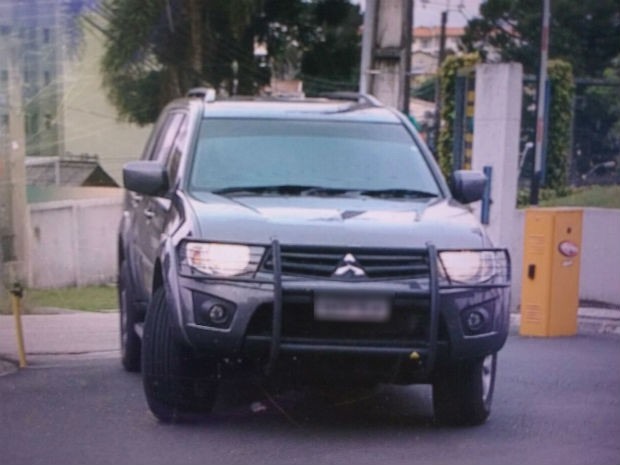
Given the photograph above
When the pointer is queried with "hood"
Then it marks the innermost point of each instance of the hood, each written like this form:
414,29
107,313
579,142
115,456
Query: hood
336,221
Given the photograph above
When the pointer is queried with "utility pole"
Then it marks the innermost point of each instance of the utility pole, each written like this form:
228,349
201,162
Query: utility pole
13,216
386,51
541,104
368,42
440,58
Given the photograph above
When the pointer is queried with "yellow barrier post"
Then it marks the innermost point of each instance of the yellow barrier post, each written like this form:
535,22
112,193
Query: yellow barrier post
550,279
17,292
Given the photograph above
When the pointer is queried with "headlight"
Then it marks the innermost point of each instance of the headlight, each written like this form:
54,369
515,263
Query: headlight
467,266
225,260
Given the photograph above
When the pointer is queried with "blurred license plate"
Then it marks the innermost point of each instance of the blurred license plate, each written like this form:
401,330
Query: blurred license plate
368,309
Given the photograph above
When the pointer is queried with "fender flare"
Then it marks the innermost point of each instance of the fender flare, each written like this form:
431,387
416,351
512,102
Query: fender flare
166,271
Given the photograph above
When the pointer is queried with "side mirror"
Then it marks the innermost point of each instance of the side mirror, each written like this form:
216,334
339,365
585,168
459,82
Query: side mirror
146,177
468,186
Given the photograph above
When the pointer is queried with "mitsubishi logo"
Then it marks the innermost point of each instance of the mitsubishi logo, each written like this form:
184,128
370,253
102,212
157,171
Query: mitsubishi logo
349,267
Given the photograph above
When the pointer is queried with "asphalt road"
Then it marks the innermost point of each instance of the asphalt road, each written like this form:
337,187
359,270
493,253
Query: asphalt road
556,402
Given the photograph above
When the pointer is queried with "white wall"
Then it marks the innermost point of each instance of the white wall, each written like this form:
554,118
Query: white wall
600,255
73,242
600,260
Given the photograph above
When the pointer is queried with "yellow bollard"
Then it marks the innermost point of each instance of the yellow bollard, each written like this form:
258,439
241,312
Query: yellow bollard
17,292
550,278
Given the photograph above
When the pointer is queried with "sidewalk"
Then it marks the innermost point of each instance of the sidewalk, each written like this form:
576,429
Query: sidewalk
54,337
66,335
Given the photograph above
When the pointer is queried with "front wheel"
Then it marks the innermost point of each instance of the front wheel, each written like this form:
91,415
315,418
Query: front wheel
176,381
463,392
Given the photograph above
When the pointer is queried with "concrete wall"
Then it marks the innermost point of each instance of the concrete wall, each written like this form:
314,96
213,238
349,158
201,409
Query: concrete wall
600,262
73,242
600,255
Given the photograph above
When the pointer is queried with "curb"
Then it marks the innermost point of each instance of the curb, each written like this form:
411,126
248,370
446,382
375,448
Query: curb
64,311
586,324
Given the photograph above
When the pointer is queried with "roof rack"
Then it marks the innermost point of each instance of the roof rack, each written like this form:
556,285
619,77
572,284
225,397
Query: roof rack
207,94
352,96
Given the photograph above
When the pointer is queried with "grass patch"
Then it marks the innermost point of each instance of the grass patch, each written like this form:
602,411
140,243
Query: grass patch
89,298
594,196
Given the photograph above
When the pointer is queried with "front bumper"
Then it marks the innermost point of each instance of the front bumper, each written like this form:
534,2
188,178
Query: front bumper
271,318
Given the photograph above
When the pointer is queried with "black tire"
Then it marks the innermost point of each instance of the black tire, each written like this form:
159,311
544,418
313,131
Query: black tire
131,345
463,392
176,382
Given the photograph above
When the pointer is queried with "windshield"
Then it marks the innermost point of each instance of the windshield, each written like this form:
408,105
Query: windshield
347,156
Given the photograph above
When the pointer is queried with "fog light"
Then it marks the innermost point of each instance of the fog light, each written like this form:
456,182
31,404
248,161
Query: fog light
218,314
212,311
476,319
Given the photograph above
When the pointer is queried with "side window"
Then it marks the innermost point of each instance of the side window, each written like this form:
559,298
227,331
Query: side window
165,139
177,151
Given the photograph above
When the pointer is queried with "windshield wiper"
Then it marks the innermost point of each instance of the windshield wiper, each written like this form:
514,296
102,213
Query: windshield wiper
398,193
282,189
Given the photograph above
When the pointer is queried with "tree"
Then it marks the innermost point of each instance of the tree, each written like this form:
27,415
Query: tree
598,120
335,54
611,94
558,132
447,79
157,49
585,34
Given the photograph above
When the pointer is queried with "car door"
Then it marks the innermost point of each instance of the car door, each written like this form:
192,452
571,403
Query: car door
153,210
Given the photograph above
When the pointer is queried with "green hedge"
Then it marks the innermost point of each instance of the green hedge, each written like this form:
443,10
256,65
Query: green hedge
447,80
558,131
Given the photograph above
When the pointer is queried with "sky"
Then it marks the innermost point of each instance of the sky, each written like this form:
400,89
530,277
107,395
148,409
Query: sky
428,12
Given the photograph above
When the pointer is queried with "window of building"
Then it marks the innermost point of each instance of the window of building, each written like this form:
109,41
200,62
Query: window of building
48,121
46,36
4,76
47,78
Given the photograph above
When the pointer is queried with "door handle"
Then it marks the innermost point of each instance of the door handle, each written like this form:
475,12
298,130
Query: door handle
149,213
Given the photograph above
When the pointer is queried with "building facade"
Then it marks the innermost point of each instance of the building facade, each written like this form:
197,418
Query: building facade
31,55
426,44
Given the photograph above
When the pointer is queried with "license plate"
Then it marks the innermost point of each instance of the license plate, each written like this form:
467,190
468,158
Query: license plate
363,309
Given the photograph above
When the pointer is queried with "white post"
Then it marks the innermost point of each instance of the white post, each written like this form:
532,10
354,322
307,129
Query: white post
497,124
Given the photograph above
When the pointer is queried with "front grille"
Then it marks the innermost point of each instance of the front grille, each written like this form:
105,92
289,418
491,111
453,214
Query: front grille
322,262
409,321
